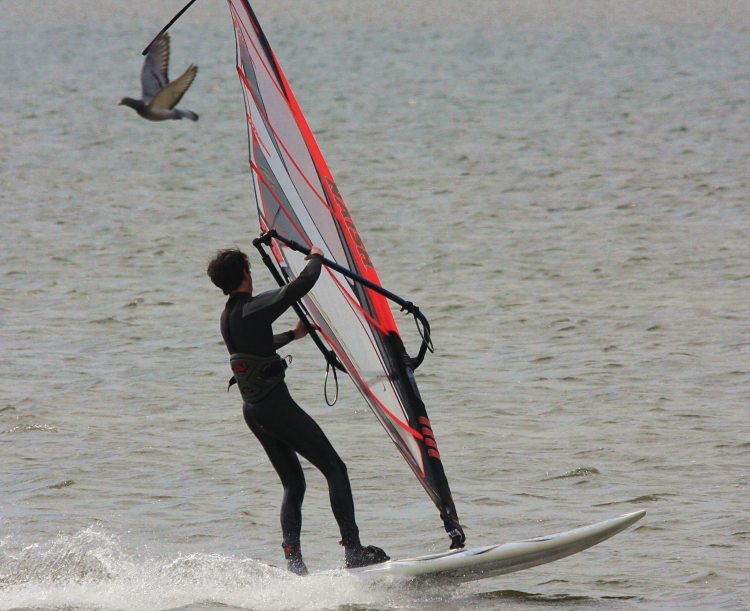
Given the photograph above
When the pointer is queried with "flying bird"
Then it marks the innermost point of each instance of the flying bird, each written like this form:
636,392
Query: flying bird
159,95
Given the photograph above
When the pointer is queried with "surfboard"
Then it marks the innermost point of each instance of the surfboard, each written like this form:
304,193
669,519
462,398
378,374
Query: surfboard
492,560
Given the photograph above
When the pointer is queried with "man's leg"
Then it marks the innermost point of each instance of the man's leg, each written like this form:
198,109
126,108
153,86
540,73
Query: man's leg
288,422
287,466
284,420
316,448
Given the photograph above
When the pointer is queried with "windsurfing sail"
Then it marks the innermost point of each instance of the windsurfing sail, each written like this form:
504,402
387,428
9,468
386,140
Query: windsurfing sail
299,206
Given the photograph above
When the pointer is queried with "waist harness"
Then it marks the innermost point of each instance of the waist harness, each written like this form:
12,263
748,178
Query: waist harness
256,376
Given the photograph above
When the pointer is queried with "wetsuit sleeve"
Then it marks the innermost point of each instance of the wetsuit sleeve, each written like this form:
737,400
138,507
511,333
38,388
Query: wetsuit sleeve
297,288
302,284
282,339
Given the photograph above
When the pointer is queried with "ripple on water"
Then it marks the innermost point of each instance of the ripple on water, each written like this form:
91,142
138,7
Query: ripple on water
579,472
30,428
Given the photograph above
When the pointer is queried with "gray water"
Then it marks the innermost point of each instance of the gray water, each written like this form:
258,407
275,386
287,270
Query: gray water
562,188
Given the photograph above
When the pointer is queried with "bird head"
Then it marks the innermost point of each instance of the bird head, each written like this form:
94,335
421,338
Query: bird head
128,102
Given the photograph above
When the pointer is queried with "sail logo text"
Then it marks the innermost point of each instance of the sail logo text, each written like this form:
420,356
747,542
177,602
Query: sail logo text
349,222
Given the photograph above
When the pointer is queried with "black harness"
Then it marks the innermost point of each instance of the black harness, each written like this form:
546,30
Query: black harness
256,376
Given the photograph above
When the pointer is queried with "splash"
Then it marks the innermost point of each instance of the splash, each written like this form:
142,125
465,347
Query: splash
92,570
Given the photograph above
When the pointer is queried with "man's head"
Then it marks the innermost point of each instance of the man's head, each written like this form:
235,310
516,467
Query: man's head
228,269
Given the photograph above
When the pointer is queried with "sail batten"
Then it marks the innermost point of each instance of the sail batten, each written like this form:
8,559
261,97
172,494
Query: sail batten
298,202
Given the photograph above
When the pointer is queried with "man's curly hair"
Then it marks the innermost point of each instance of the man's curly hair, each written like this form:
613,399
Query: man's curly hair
227,269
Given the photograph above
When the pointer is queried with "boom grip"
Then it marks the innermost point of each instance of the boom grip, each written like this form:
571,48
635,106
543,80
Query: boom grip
408,306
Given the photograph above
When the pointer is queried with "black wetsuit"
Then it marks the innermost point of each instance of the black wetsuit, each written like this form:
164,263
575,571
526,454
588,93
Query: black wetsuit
282,427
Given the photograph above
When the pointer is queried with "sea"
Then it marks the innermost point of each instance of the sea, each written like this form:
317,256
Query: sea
562,187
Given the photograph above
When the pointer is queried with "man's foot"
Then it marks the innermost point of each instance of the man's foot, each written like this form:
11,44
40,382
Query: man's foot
294,561
363,556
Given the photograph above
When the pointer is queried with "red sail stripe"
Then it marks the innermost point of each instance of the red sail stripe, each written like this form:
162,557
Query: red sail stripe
350,233
260,55
256,136
262,178
259,106
300,231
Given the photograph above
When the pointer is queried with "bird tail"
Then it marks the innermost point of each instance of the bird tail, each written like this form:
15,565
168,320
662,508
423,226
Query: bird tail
188,114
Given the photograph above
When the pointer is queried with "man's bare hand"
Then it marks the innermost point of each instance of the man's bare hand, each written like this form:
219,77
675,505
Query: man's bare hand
314,251
300,330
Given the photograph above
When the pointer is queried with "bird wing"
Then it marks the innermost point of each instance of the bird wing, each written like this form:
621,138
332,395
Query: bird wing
154,73
168,97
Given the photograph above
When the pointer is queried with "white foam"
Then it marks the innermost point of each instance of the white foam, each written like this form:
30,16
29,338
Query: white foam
92,570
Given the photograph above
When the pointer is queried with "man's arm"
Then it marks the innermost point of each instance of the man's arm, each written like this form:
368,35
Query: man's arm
282,339
298,287
307,278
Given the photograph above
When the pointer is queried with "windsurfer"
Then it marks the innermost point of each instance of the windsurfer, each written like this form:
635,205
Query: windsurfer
283,428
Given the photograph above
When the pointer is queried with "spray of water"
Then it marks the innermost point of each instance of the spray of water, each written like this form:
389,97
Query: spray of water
92,569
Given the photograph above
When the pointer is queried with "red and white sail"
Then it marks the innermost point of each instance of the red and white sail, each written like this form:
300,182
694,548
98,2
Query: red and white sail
297,197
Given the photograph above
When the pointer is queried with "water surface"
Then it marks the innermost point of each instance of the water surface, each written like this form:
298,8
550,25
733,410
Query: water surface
563,189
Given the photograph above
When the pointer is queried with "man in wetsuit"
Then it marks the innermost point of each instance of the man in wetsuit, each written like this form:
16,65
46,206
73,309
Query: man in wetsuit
282,427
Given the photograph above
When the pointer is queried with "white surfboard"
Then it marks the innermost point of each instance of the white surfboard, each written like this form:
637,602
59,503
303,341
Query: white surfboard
492,560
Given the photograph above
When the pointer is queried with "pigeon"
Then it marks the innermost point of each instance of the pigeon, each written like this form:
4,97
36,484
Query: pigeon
159,96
